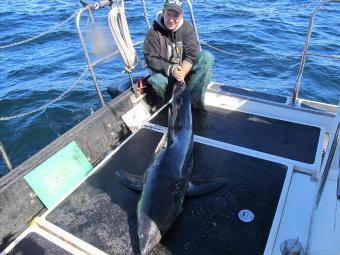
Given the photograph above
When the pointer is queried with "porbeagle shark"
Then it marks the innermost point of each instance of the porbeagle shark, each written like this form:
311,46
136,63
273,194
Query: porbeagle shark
167,180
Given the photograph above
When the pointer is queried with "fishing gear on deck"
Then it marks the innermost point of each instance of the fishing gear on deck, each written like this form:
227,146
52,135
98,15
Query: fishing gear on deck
121,34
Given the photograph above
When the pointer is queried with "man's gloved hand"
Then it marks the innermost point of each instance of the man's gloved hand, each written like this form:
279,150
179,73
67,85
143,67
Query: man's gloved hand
178,73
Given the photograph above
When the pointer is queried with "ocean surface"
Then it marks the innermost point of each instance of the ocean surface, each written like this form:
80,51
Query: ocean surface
262,41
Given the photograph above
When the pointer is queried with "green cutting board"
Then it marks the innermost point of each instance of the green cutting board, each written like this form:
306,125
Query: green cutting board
55,177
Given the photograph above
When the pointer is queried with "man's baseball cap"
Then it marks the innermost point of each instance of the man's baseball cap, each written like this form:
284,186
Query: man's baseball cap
175,5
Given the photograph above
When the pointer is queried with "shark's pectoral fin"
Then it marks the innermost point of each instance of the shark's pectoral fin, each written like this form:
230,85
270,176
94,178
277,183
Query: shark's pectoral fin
202,187
131,181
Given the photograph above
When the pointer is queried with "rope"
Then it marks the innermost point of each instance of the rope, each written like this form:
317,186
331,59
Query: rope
120,32
45,106
324,56
217,49
297,54
39,35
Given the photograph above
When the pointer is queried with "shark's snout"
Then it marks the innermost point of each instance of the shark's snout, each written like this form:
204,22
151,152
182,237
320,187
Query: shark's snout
149,234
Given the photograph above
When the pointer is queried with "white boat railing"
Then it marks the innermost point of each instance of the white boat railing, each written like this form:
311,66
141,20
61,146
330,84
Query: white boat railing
104,3
89,8
305,50
99,5
5,157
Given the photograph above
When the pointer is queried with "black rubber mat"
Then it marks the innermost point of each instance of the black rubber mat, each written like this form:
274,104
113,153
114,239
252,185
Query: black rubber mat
248,93
102,212
34,244
281,138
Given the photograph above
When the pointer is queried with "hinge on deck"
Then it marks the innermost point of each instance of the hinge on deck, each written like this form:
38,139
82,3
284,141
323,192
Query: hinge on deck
292,246
136,117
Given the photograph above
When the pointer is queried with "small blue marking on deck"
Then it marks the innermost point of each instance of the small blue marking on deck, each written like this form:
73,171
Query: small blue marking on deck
246,215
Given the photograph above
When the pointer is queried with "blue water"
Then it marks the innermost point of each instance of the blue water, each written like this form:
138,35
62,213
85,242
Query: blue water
265,36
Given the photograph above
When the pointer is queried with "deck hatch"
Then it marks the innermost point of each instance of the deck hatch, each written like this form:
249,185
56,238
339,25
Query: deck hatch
247,93
272,136
34,243
102,212
53,178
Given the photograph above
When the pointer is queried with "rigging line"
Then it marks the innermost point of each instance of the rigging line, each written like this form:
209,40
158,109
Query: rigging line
239,55
39,35
297,54
45,106
324,55
215,48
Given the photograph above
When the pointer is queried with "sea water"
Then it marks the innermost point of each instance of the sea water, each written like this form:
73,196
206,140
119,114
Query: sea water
261,42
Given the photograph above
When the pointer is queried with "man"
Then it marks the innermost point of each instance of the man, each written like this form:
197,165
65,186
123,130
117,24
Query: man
172,53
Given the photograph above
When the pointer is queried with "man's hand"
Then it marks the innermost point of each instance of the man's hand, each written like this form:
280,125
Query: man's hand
178,73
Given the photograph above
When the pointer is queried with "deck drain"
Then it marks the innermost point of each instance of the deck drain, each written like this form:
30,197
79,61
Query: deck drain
246,215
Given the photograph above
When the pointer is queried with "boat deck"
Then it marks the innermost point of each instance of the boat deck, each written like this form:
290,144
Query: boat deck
272,136
99,216
222,88
34,241
102,212
34,244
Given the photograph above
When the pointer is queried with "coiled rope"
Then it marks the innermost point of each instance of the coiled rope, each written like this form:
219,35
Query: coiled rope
52,29
121,34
